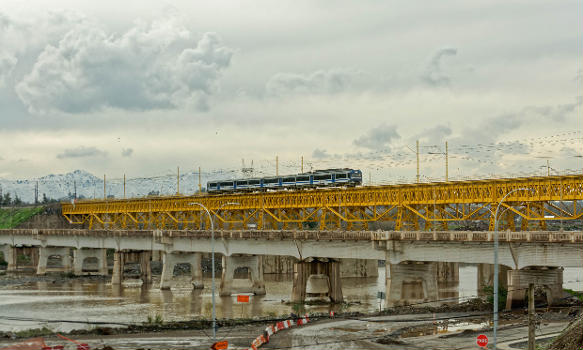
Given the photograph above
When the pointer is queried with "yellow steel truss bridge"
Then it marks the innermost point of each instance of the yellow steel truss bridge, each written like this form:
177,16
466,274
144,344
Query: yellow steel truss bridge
533,202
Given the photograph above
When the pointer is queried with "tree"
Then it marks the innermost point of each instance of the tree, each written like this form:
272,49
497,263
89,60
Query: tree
45,199
7,199
17,200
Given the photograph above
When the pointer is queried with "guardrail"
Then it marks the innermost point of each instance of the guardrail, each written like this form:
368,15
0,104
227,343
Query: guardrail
457,236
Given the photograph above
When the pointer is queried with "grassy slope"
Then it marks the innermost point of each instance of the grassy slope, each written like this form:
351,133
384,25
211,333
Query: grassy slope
12,217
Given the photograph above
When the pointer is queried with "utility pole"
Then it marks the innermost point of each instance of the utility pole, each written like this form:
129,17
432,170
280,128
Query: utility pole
548,168
75,189
417,161
124,186
35,193
104,193
446,163
276,166
531,317
199,181
177,180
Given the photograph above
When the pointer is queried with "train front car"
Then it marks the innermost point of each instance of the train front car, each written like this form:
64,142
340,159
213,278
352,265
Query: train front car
355,177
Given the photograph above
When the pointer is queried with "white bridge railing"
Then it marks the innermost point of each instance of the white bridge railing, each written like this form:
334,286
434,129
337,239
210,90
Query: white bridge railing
316,235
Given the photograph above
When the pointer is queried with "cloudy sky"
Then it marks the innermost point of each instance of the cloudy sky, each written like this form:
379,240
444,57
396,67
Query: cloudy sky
146,86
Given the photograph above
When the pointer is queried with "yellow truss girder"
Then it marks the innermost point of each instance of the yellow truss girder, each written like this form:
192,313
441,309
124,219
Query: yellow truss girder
409,206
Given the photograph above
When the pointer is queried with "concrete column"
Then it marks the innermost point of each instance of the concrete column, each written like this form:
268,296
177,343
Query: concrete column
486,277
550,279
145,266
79,256
317,278
411,282
252,262
10,258
359,268
43,256
118,263
169,262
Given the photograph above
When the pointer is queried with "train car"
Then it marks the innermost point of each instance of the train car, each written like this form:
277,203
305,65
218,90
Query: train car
318,178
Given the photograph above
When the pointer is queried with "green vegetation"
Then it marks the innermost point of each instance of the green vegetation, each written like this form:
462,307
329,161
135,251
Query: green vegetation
578,295
32,333
155,320
502,294
12,217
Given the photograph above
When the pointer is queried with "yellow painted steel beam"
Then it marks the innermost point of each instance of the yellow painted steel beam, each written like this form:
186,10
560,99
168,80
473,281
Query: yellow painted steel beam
404,205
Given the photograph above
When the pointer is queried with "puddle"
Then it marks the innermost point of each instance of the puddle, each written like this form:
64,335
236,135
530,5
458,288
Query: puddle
444,328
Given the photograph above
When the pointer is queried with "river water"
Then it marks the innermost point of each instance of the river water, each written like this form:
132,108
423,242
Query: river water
96,300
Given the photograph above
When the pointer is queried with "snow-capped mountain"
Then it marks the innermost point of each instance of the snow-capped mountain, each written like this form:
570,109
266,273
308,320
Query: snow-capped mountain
87,185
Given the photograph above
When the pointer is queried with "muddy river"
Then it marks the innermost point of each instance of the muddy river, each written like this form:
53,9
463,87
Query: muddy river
96,300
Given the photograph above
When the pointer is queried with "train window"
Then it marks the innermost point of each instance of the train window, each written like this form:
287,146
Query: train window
254,182
289,179
303,178
241,183
323,177
271,181
341,176
225,184
212,185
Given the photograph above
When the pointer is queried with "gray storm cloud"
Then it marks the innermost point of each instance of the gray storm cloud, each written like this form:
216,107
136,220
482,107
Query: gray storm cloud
321,81
127,152
378,138
81,152
433,74
320,154
151,66
433,136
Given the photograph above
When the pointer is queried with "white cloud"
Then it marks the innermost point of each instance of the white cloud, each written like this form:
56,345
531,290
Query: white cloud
7,64
159,65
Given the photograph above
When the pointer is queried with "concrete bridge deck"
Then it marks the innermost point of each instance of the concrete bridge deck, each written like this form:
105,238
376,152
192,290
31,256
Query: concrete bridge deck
411,257
517,249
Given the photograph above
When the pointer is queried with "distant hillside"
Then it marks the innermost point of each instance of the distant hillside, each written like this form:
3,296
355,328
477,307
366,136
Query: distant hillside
87,185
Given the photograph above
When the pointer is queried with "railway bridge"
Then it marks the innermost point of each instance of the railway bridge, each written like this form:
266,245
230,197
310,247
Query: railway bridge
414,228
533,203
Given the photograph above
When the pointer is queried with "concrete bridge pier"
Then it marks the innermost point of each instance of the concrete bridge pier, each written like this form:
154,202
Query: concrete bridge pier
120,258
81,255
411,282
448,280
44,253
9,254
254,265
28,258
549,279
486,277
317,278
169,262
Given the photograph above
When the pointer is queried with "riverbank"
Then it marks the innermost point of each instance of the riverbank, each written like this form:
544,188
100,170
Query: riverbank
446,329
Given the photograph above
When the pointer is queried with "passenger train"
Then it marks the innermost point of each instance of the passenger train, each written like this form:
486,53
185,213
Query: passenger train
318,178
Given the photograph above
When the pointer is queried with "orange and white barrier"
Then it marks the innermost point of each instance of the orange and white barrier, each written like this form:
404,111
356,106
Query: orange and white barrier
274,328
